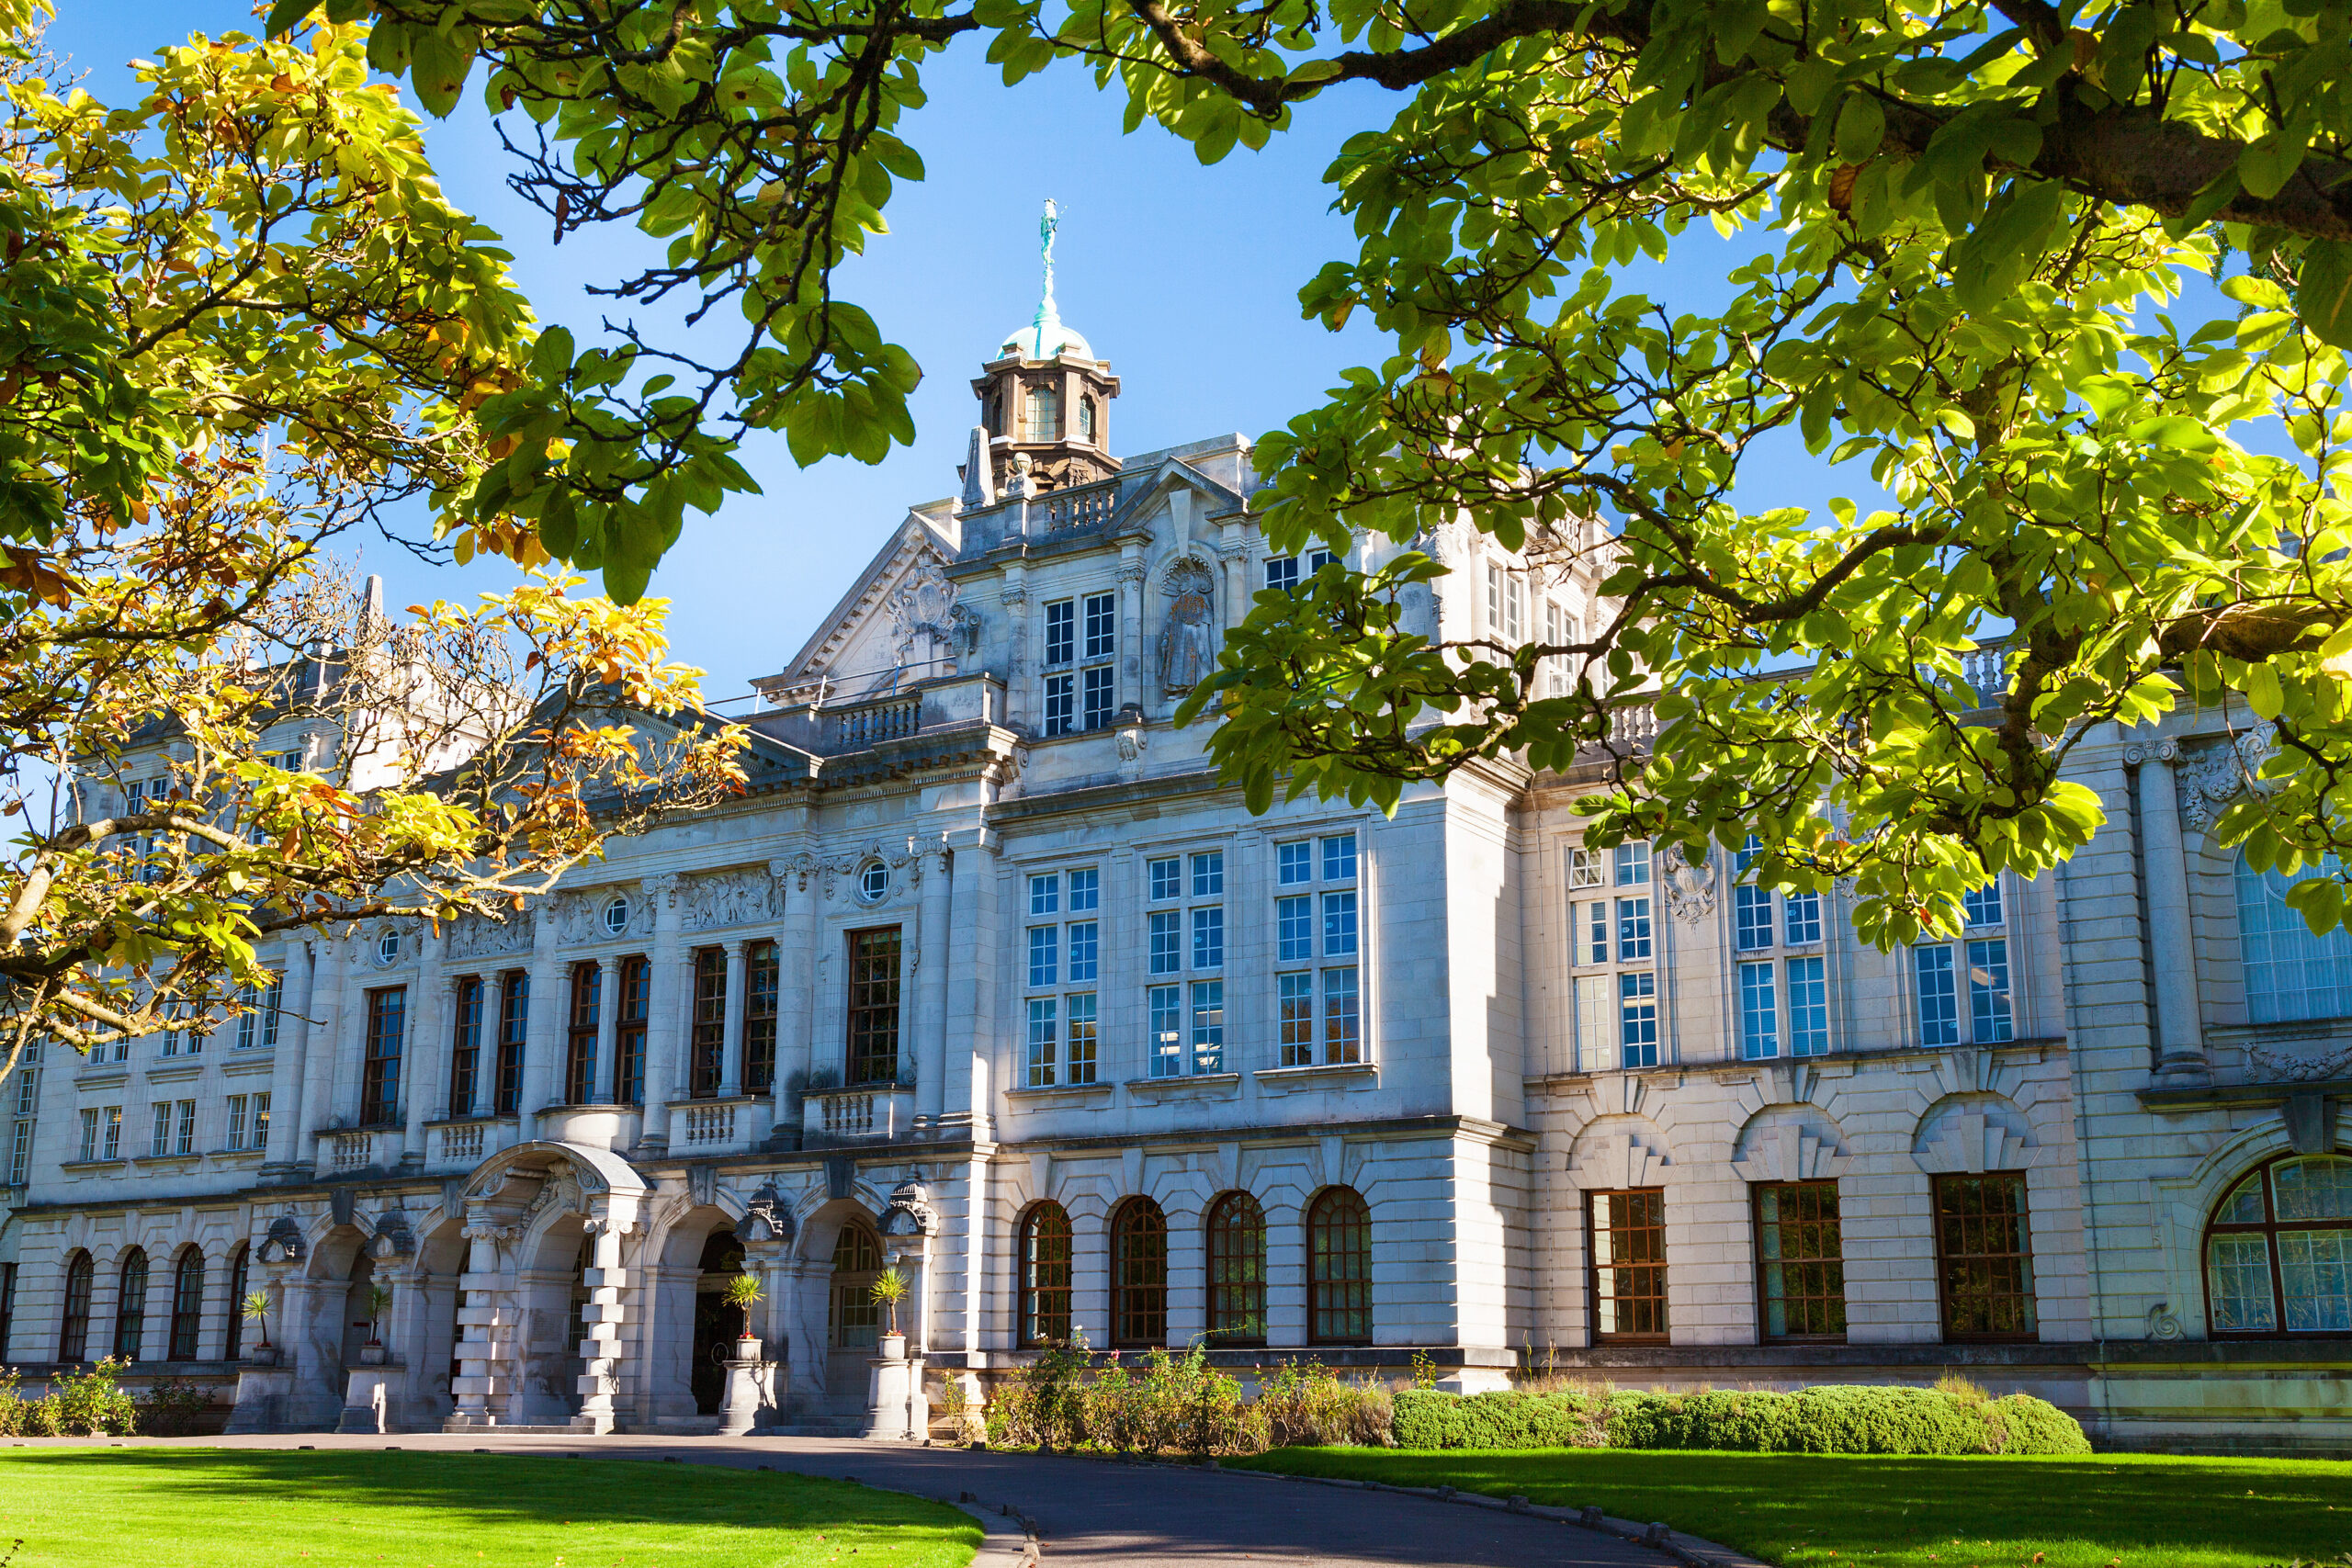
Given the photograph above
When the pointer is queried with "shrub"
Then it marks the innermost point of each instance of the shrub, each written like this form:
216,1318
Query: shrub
1312,1405
1845,1419
172,1407
1427,1419
13,1406
89,1405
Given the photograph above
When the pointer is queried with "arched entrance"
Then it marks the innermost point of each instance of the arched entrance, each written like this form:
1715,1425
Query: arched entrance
718,1322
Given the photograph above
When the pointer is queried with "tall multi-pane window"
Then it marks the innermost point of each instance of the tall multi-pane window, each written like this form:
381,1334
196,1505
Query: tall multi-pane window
1626,1232
1061,652
1317,919
1985,1257
1098,681
1044,414
1506,603
159,1142
2277,1250
130,1306
873,1006
1760,1012
379,1078
2290,973
1752,922
465,1048
89,1149
1139,1275
1064,950
21,1151
259,1138
514,1032
257,1020
1937,998
1061,631
1187,1020
110,1140
1808,1006
1061,704
1982,958
580,1036
706,1041
1801,1260
183,1140
240,1120
760,983
187,1306
630,1027
1637,1019
74,1325
1044,1267
1338,1269
1237,1246
1559,630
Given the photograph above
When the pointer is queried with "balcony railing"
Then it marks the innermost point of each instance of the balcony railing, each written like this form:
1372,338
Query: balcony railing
1080,506
874,1111
876,722
462,1143
352,1151
709,1126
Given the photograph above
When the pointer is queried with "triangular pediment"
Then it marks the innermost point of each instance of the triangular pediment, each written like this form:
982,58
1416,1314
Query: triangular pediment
890,627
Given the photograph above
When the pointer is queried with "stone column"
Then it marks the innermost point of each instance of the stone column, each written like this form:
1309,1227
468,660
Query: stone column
1131,652
1233,559
664,1039
319,1048
730,1055
543,1031
931,989
973,952
1014,598
2180,1043
603,1086
484,1323
288,1132
426,1068
601,1317
795,951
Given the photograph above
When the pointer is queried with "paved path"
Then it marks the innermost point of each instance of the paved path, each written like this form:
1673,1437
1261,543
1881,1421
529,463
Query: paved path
1117,1516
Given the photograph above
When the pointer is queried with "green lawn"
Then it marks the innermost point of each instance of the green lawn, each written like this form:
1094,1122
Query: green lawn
141,1507
1819,1511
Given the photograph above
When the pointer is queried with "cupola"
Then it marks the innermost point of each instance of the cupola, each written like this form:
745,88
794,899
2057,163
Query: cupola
1046,398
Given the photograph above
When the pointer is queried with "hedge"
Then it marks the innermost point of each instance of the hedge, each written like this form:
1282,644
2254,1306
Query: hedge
1833,1418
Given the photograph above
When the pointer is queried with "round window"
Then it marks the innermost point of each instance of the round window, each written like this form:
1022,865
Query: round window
617,916
874,881
388,948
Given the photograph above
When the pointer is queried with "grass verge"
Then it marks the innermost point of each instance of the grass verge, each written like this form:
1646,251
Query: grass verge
1826,1511
138,1507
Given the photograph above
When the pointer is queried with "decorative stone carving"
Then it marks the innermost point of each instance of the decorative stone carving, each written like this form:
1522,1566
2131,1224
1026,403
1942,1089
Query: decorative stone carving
393,1237
2271,1063
580,916
2162,1324
477,937
910,1213
963,631
2211,775
767,1223
730,898
1690,888
282,1244
1187,637
560,1190
923,607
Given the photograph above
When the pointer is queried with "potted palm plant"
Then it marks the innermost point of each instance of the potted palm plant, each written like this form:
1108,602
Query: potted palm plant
744,1292
889,1288
255,1308
380,1301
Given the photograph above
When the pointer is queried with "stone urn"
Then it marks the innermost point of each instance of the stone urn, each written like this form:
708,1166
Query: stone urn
262,1356
372,1355
893,1346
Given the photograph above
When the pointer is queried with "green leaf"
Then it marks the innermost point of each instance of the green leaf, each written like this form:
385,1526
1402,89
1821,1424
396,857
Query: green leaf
284,15
2176,431
2262,691
1861,126
2324,291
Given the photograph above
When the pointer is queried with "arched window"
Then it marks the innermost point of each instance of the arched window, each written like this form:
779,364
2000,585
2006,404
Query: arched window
74,1333
2289,974
1338,1269
188,1305
857,1319
130,1306
1236,1237
1086,419
1044,414
1138,1274
1045,1274
232,1343
2277,1249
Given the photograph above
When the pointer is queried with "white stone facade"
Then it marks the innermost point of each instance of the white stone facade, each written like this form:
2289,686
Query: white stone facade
989,706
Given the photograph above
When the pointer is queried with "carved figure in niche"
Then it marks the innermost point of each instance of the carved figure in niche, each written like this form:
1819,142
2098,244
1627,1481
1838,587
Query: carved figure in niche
922,613
1187,644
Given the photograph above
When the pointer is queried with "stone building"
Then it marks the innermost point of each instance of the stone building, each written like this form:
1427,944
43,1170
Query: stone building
988,977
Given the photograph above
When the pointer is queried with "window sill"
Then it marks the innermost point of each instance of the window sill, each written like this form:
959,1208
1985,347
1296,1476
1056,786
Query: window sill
174,1164
248,1063
236,1156
112,1075
1323,1075
177,1070
1062,1094
509,1117
691,1104
1194,1086
92,1165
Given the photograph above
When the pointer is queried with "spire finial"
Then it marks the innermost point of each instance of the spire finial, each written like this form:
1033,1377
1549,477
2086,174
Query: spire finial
1048,321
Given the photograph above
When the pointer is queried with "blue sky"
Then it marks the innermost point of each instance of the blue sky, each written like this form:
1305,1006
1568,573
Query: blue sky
1184,277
